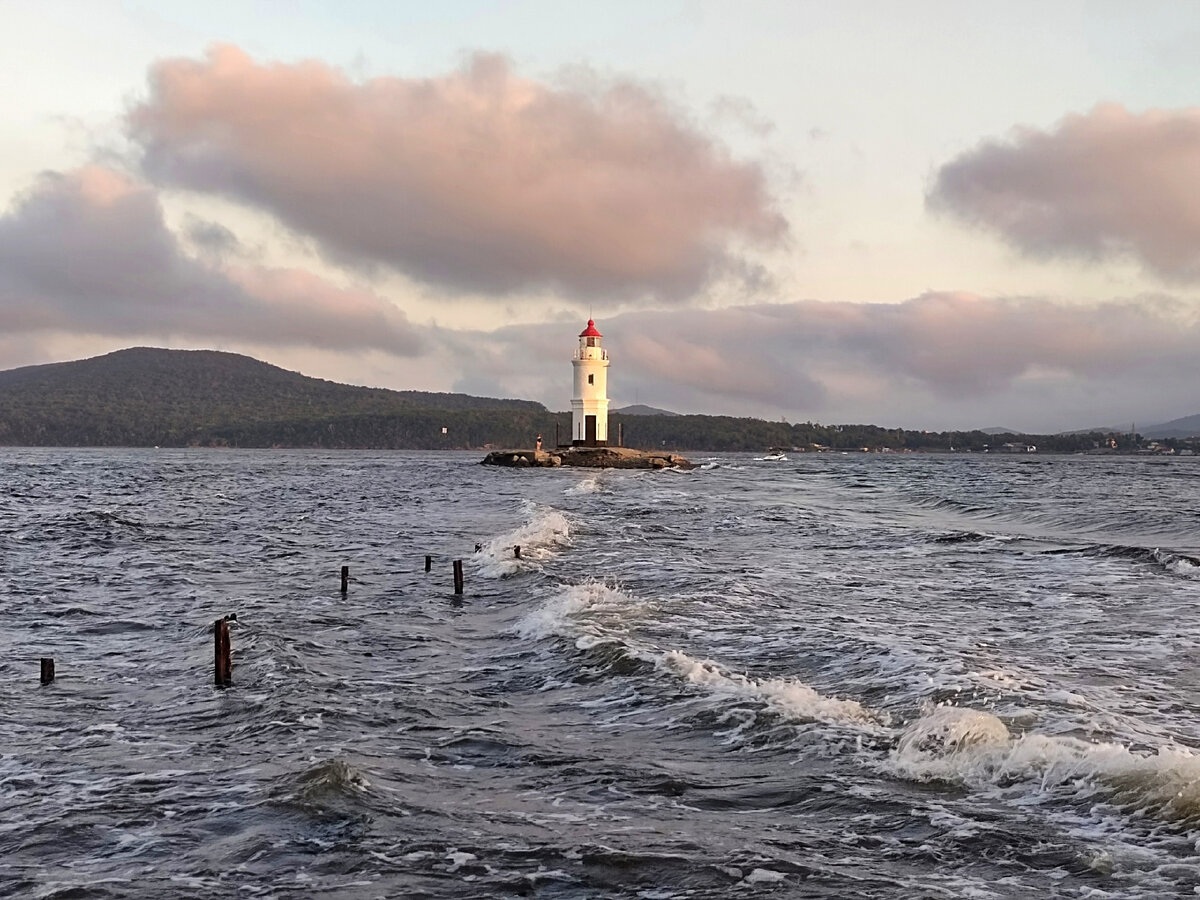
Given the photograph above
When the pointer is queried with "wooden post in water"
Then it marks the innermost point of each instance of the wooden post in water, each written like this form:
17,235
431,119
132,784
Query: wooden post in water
428,563
47,669
458,576
345,578
517,551
222,665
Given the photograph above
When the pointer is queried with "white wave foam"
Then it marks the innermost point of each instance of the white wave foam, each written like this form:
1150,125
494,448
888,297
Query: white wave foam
590,485
945,731
975,748
712,462
595,613
1178,565
764,876
569,614
792,699
546,532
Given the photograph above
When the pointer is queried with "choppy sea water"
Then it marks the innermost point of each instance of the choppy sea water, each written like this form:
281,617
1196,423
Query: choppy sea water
835,676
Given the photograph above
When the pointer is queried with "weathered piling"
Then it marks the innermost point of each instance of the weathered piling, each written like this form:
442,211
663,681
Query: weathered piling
345,578
222,664
428,563
47,669
458,576
517,551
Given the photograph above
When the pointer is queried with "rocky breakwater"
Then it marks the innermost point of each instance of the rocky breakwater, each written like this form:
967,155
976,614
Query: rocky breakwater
587,457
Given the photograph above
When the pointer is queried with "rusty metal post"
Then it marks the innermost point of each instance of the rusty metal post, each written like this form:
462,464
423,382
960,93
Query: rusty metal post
222,664
458,576
47,669
517,551
428,563
345,578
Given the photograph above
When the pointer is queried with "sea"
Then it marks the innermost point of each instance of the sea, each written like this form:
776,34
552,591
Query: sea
833,676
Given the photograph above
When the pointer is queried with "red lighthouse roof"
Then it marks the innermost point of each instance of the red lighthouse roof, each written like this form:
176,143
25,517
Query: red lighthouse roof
590,331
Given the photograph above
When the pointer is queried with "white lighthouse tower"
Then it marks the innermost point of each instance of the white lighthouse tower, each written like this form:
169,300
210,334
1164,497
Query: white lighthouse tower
589,404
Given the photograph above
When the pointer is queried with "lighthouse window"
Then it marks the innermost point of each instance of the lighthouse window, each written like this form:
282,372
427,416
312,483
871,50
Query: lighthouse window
591,342
591,379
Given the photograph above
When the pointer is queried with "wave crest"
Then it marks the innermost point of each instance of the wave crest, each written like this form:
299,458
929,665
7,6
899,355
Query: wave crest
545,533
789,698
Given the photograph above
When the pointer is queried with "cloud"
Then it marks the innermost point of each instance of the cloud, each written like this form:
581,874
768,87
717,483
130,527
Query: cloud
88,252
1106,184
211,238
478,181
937,360
742,112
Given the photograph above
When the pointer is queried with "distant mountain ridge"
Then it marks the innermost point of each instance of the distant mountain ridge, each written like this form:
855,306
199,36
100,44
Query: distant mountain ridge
146,396
640,409
208,375
1185,427
999,429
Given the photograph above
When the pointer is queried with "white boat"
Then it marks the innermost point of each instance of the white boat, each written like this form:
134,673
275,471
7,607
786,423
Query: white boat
775,456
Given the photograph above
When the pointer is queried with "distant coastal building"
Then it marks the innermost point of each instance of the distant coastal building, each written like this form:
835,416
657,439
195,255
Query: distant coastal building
589,404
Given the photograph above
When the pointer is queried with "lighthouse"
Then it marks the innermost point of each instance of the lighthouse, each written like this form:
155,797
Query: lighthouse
589,404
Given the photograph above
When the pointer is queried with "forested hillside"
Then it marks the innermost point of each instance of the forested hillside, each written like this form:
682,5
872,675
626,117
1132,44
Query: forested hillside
145,397
151,397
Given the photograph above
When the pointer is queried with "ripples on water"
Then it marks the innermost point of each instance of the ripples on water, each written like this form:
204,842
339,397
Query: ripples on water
902,677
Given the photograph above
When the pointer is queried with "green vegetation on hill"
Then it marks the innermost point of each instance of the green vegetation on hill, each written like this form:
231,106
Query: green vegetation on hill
171,398
146,397
723,433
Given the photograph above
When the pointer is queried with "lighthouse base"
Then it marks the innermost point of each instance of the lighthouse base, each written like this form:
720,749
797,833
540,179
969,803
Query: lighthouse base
587,457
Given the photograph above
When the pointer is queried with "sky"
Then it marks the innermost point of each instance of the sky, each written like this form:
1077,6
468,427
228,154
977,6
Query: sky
937,214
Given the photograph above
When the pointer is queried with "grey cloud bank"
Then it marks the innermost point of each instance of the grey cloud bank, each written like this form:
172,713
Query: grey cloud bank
88,252
935,361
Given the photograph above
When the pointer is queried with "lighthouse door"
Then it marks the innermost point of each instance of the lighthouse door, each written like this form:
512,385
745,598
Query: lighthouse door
589,430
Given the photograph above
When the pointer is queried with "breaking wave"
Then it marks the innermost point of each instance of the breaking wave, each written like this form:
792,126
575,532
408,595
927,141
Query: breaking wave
975,749
544,534
598,616
789,698
578,610
1176,563
957,745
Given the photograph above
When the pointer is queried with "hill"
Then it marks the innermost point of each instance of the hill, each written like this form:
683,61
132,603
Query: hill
151,397
1186,427
641,409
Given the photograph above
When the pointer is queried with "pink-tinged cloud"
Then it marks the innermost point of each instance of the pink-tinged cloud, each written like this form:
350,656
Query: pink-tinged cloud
88,252
479,180
1109,183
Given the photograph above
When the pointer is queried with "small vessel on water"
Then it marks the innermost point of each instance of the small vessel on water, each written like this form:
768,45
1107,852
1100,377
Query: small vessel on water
774,455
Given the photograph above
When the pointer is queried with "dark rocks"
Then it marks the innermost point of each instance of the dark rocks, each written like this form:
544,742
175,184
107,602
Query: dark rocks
587,457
